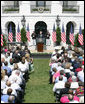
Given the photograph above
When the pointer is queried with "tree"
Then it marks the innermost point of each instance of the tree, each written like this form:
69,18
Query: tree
58,34
23,35
4,41
76,42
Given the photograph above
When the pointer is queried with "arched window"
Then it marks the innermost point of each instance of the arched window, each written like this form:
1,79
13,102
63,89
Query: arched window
40,26
68,27
40,3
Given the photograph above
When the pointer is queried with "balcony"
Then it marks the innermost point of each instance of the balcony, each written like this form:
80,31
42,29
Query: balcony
70,9
40,9
10,9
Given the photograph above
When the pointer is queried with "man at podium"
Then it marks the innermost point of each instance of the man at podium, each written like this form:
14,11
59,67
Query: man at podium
40,35
40,42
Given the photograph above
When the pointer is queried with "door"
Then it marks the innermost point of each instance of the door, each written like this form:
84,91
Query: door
40,26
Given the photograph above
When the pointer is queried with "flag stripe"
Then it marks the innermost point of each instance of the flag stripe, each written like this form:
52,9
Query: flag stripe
18,36
80,36
10,37
1,40
28,33
63,36
72,39
54,34
80,39
71,36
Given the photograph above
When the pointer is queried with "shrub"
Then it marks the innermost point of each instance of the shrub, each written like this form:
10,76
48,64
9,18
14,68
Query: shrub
58,34
76,42
23,35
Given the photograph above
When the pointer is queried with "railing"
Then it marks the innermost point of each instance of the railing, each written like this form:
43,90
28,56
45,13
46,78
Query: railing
44,9
10,9
70,9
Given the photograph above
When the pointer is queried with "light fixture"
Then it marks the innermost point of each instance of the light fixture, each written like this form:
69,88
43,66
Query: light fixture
58,21
23,21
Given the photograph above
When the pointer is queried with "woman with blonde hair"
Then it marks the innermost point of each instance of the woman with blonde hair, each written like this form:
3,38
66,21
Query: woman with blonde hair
15,66
3,83
2,74
67,67
30,62
27,58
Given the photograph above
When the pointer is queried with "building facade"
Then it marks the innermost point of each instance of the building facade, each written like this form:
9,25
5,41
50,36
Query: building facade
41,16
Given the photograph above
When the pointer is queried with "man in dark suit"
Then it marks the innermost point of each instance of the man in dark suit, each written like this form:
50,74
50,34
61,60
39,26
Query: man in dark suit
40,35
16,56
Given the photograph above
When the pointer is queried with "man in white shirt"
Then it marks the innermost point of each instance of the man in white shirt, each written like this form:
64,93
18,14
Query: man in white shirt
15,77
8,58
15,69
3,56
64,79
23,66
15,86
81,75
2,59
74,84
8,85
59,85
59,67
3,85
54,65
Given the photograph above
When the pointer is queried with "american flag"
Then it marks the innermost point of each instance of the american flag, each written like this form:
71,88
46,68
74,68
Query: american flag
1,38
10,37
63,36
54,34
80,36
18,36
71,37
28,33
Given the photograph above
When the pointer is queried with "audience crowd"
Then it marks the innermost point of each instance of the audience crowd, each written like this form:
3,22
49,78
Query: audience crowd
16,63
67,74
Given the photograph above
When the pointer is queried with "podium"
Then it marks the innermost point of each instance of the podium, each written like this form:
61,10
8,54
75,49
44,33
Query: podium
40,47
40,44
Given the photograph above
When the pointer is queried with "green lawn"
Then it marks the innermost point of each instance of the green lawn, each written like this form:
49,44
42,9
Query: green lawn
38,89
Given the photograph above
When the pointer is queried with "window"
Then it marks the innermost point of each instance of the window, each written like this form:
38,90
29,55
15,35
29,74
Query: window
65,3
16,3
40,3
